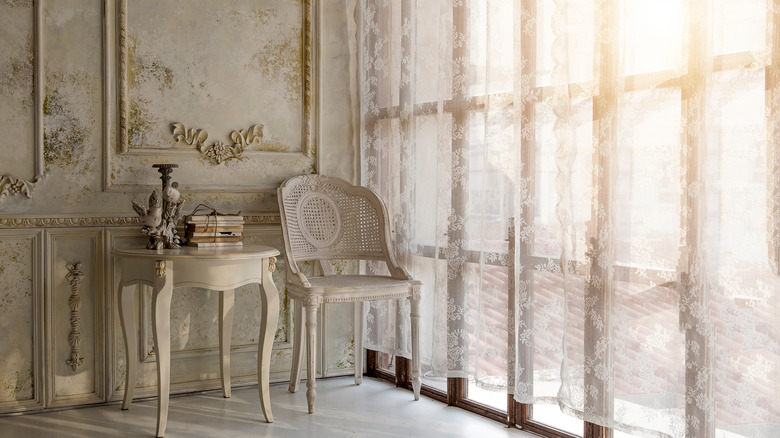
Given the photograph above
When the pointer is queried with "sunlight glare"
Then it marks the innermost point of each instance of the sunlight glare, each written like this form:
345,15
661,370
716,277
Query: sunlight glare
652,31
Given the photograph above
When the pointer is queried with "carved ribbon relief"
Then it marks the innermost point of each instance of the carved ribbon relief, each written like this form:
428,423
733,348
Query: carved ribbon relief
218,152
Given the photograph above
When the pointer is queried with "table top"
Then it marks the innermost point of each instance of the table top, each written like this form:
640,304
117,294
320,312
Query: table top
242,252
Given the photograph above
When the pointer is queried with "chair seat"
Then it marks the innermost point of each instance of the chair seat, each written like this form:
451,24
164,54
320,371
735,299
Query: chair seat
345,288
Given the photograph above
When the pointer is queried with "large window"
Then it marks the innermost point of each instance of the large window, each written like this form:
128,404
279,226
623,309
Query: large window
589,192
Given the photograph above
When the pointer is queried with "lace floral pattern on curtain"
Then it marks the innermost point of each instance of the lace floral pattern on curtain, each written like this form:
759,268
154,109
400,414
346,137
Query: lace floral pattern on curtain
636,145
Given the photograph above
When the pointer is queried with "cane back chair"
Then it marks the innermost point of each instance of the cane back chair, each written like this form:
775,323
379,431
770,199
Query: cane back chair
324,219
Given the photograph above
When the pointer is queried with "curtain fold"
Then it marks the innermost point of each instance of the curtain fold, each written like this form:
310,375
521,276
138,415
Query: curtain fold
633,145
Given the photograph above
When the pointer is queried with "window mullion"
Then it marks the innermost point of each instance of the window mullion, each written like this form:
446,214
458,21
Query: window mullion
456,284
525,131
772,78
693,293
601,239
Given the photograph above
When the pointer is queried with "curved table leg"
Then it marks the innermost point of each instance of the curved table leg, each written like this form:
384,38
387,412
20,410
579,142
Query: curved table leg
127,319
226,300
161,317
269,318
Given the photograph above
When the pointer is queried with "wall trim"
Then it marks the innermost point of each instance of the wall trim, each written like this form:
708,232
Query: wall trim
90,289
11,184
106,221
38,367
116,121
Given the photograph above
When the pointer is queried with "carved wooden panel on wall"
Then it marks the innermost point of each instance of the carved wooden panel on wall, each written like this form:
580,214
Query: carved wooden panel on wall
21,101
223,88
21,327
74,301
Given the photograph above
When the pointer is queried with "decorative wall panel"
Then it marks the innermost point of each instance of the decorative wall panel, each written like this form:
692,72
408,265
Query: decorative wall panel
21,300
75,303
21,103
224,89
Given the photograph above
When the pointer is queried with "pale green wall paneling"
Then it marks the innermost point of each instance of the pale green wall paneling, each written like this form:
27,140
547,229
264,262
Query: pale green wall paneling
76,214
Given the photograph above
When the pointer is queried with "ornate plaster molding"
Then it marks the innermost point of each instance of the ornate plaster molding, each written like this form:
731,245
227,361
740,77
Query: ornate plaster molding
57,222
117,29
67,222
309,63
159,268
74,276
12,185
218,152
270,219
122,69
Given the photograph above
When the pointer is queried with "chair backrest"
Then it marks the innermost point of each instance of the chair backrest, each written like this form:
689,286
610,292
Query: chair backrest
327,218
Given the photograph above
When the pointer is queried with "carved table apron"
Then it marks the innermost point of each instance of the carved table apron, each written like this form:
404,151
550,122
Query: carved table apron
219,268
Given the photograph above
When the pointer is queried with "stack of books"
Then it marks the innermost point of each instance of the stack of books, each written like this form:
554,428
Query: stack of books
214,230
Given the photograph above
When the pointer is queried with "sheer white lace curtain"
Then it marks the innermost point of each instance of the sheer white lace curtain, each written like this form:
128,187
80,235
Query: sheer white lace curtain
636,144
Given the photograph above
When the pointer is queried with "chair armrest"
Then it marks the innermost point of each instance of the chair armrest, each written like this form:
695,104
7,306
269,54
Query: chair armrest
300,279
398,272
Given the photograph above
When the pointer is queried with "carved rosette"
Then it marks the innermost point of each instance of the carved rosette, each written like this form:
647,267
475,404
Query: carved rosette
218,152
74,276
13,186
10,185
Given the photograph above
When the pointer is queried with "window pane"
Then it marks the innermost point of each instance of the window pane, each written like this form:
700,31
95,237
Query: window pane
651,35
433,340
577,41
546,168
738,25
552,416
490,168
647,189
433,78
432,153
486,324
487,397
491,46
545,331
386,362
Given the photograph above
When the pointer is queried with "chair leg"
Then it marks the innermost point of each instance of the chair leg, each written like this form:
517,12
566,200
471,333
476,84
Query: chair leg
415,316
311,351
358,342
297,357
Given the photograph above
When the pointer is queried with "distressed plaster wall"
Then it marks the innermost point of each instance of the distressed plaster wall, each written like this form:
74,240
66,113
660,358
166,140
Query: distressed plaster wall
72,216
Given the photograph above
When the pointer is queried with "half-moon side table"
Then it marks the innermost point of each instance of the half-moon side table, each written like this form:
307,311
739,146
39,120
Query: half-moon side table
216,268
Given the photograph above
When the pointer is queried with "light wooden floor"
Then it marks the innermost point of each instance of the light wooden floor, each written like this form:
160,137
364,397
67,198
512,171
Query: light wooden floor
373,409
